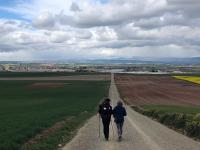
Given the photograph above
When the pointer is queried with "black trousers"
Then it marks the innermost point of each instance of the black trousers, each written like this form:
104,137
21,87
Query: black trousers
106,124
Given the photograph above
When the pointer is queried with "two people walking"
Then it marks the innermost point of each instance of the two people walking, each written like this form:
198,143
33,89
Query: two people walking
106,111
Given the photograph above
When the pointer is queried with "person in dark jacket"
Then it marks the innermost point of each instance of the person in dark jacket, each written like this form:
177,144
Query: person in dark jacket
105,110
119,112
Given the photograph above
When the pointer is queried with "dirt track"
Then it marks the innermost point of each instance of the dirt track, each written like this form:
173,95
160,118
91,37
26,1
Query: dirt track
75,77
140,90
140,133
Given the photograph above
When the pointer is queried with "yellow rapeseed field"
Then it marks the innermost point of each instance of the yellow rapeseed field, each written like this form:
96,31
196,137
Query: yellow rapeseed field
193,79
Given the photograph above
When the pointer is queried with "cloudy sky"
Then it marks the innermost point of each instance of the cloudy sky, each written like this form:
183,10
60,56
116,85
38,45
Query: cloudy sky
68,29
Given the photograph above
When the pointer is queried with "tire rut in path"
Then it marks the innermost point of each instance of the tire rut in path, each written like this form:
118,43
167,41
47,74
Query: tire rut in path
140,133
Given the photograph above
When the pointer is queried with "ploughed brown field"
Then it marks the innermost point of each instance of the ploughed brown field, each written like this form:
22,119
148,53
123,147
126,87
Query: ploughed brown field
159,90
44,85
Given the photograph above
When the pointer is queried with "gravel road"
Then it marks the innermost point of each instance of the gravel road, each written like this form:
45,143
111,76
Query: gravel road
140,133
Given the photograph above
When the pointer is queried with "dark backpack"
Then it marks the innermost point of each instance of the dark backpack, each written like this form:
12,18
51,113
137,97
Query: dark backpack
119,112
105,111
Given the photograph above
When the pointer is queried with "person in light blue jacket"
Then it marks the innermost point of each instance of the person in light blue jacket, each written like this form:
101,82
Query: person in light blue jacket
119,112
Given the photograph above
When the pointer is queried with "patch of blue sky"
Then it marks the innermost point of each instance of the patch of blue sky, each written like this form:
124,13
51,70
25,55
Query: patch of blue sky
5,13
9,15
101,1
11,3
8,2
104,1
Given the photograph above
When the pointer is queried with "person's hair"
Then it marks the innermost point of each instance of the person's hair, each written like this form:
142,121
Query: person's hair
107,100
119,103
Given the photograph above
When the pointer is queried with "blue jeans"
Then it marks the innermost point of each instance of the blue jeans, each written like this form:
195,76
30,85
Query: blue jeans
120,128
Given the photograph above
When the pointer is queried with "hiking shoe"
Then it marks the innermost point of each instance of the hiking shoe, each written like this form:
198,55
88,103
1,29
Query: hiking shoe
120,138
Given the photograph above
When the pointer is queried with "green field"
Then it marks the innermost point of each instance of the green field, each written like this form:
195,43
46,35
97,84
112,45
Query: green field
26,111
184,118
173,109
42,74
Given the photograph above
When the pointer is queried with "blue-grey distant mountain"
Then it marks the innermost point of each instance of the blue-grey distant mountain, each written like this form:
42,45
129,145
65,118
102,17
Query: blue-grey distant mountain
142,60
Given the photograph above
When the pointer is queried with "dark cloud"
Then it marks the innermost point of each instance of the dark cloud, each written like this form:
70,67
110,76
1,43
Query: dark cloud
188,8
74,7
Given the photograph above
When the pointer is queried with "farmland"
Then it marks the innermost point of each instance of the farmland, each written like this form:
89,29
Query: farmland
173,102
193,79
43,114
42,74
157,90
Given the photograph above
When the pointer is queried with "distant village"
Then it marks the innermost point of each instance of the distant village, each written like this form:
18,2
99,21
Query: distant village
120,68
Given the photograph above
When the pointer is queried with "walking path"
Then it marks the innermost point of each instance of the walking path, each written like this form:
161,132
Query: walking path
140,133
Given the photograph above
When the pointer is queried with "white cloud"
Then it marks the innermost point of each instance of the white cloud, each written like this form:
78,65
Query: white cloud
104,34
59,36
44,20
88,28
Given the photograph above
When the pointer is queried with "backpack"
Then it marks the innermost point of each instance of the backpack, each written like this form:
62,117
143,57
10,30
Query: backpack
119,112
105,111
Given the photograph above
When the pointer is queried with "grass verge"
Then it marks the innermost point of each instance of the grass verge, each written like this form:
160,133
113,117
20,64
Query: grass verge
184,119
173,109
